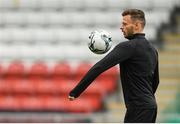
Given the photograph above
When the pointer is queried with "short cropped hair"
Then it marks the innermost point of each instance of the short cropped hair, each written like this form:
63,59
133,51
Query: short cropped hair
136,14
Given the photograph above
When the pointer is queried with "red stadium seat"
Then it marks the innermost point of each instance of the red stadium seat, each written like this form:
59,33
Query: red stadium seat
2,70
7,85
108,85
109,79
95,89
82,104
15,68
3,87
38,69
55,103
85,104
24,86
62,70
65,85
9,103
45,86
111,73
31,103
82,69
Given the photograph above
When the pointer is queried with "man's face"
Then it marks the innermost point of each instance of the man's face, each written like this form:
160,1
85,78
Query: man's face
127,27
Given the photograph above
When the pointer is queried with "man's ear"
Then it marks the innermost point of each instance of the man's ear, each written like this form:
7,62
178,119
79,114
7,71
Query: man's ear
138,25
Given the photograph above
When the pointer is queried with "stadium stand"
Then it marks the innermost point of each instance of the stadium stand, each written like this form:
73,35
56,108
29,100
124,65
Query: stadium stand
44,53
170,52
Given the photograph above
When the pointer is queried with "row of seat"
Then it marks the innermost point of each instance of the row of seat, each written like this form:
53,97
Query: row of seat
59,36
42,69
72,19
40,78
85,4
99,88
58,18
47,103
49,53
34,90
48,36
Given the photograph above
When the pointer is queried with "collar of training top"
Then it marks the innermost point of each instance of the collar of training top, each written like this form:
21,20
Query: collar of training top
137,35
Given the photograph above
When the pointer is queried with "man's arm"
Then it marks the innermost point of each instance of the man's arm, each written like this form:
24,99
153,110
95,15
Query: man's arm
156,78
120,53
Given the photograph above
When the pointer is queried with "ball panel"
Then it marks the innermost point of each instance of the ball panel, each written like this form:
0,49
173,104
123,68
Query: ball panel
100,42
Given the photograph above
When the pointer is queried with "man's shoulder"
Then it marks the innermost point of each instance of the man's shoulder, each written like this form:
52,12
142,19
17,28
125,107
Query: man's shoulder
128,44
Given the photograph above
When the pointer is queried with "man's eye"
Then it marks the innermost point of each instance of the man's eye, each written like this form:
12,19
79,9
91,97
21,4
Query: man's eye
123,24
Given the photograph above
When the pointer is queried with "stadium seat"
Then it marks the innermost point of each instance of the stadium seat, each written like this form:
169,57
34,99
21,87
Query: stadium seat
28,4
1,20
36,19
152,15
38,70
50,4
57,19
160,4
5,36
62,104
13,19
9,103
117,4
46,86
111,74
15,69
4,88
61,70
73,5
35,52
55,103
150,33
108,85
81,19
85,104
24,86
141,4
19,36
65,86
31,103
110,19
15,86
2,70
95,5
45,37
82,69
116,35
68,36
7,4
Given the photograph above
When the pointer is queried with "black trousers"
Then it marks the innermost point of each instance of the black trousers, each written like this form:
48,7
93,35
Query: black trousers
140,116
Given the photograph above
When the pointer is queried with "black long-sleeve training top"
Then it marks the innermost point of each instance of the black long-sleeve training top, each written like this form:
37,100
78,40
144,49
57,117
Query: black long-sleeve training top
138,61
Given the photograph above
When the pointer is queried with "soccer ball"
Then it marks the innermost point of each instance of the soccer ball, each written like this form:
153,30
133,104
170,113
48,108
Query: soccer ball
100,41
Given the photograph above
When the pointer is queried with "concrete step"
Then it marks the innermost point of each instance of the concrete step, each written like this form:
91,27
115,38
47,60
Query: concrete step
171,38
166,92
169,73
169,67
172,46
169,57
174,61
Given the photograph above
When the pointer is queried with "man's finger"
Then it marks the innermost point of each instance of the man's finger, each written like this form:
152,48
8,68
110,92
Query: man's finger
71,98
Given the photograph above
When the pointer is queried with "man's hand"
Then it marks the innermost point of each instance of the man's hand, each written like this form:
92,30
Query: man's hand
71,98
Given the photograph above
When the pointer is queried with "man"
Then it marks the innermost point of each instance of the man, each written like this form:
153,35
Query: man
138,61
